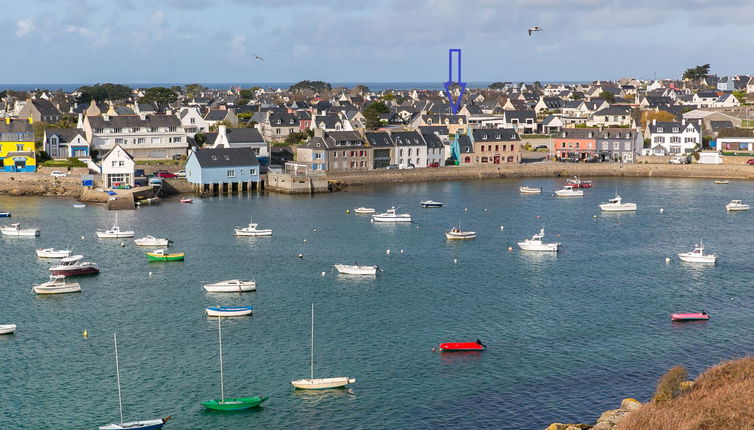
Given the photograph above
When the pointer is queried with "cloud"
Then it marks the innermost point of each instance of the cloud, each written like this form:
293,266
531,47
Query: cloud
24,27
81,31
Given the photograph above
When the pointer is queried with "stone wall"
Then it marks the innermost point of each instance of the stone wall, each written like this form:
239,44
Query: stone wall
78,171
39,184
653,159
285,183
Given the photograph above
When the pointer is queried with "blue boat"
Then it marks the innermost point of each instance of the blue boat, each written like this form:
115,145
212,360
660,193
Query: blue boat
4,214
228,311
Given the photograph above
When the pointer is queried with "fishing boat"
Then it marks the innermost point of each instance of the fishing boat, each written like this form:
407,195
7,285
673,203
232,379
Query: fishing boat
143,425
530,190
462,346
161,255
536,244
736,205
114,232
364,211
430,204
57,285
228,311
569,191
73,266
16,230
252,230
187,200
4,214
313,383
151,241
356,269
456,233
391,216
616,205
698,255
231,286
79,205
579,183
723,182
230,403
690,316
7,328
53,253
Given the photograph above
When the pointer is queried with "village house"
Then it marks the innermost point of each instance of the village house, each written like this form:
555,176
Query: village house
523,121
454,123
214,116
575,144
673,138
17,147
496,146
619,144
40,110
240,138
143,136
66,143
411,150
705,99
335,151
277,125
383,148
549,104
738,142
435,150
614,116
223,170
118,167
192,121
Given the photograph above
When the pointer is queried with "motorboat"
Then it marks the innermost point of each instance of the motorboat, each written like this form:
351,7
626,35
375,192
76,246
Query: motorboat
698,255
228,311
355,269
187,200
230,403
53,253
462,346
456,233
7,328
231,286
162,255
579,183
16,230
364,211
391,216
722,182
569,191
536,244
616,205
151,241
73,266
736,205
114,232
4,214
690,316
530,190
57,285
252,230
313,383
142,425
430,204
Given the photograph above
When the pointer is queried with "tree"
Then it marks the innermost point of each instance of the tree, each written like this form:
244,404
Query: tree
577,95
388,97
246,94
101,92
372,114
314,86
608,96
159,96
200,139
39,134
696,73
296,138
215,126
741,96
648,116
362,89
498,85
537,85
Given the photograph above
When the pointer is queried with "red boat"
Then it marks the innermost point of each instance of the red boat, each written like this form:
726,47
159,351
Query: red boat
462,346
691,316
579,183
187,200
73,266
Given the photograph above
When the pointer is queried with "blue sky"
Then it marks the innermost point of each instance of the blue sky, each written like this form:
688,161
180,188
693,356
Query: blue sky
71,41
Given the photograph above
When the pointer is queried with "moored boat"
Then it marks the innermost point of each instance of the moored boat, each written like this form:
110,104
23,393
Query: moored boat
462,346
187,200
530,190
356,269
73,266
736,205
579,183
698,255
391,216
114,232
456,233
536,244
161,255
79,205
4,214
228,311
252,230
364,211
616,205
722,182
16,230
151,241
430,204
569,191
231,286
57,285
53,253
7,328
690,316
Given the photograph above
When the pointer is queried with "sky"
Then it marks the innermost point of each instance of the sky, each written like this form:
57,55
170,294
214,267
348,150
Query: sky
186,41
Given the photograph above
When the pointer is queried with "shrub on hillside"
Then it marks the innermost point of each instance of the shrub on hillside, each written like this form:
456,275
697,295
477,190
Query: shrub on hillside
669,386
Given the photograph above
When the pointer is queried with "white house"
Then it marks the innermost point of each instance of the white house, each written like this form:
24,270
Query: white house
611,117
118,167
410,149
66,143
673,138
705,99
143,136
726,100
192,121
240,138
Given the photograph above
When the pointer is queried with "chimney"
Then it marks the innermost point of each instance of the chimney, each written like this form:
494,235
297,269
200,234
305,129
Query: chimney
142,116
683,121
80,122
318,132
654,122
106,117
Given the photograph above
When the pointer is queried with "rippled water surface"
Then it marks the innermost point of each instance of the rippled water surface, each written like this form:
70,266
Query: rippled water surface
568,335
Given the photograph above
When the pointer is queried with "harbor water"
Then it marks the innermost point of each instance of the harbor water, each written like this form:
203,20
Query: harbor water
569,335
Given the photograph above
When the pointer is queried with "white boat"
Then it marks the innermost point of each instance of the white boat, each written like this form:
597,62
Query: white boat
252,230
53,253
79,205
7,328
363,210
228,311
313,383
430,204
16,230
536,244
57,285
736,205
530,190
456,233
722,182
698,255
231,286
151,241
569,191
114,232
616,205
355,269
143,425
391,216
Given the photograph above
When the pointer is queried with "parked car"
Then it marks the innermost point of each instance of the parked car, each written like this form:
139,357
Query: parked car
392,166
406,166
750,161
58,174
181,173
165,174
435,164
679,160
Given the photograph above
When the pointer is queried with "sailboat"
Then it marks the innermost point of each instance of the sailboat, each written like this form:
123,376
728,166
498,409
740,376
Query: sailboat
114,232
320,383
144,425
230,403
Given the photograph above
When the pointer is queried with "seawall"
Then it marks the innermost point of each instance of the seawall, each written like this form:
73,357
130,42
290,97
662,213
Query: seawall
549,169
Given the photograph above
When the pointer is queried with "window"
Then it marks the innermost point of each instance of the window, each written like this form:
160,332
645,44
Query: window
121,163
118,141
497,148
335,154
659,129
172,129
140,140
616,145
627,146
99,130
114,163
604,146
135,130
675,139
117,130
675,129
193,121
20,147
253,172
231,173
214,158
659,139
153,129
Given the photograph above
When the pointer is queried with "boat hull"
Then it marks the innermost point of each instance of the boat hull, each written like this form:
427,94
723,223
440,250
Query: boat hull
346,269
228,311
461,236
461,346
240,232
230,288
4,214
157,242
75,272
527,190
68,288
53,253
234,404
168,257
322,383
429,205
561,193
692,316
142,425
698,259
7,328
364,211
389,218
21,233
121,235
543,247
623,207
731,208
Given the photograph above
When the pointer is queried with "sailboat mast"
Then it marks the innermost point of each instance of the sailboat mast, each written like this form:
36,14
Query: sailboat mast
117,376
311,373
220,336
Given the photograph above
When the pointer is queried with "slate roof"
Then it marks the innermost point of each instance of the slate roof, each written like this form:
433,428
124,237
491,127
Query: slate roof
719,125
616,134
16,126
613,110
577,133
494,134
45,107
243,135
520,114
64,135
332,138
465,145
435,129
552,102
379,139
216,115
432,140
122,121
226,157
407,138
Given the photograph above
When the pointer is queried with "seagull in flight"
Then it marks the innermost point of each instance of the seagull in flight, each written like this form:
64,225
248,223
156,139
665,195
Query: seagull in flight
257,57
533,29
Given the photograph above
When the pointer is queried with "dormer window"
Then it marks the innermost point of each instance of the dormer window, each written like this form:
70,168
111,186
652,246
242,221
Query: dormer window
214,158
675,129
498,137
227,158
659,129
280,121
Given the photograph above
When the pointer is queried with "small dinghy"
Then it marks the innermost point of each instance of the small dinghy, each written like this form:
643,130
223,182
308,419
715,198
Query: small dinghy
355,269
530,190
79,205
364,211
187,200
462,346
53,253
430,204
161,255
7,328
57,285
4,214
151,241
691,316
231,286
723,182
228,311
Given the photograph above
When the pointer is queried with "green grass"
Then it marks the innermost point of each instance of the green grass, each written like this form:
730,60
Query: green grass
747,123
159,162
71,162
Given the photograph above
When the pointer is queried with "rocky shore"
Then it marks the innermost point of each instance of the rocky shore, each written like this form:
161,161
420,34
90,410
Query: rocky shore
609,420
35,185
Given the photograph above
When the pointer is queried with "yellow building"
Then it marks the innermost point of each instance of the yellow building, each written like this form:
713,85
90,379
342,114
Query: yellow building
17,145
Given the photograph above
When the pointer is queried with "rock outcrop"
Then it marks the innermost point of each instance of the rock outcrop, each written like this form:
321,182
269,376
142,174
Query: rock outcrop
607,421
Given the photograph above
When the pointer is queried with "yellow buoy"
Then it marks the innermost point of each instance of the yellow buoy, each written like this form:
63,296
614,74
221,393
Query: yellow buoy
348,211
510,248
85,334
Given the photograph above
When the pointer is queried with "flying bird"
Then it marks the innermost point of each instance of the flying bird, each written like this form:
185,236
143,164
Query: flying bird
533,29
257,57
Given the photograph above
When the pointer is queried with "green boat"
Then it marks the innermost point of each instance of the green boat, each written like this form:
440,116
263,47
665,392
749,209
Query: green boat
160,255
230,403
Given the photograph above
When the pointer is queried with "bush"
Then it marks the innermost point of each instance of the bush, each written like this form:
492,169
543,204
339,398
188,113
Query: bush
669,386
